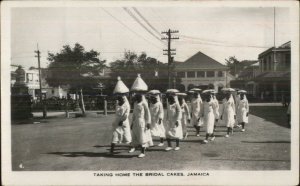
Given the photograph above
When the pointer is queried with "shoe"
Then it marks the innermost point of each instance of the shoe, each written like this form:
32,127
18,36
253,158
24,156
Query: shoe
160,144
168,148
226,136
213,138
131,150
141,155
186,135
197,135
177,148
243,130
205,141
239,126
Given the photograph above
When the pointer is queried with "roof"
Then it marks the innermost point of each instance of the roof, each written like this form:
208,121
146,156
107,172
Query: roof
199,61
271,75
284,47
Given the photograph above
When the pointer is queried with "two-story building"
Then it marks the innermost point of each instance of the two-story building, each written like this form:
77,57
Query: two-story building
274,77
203,72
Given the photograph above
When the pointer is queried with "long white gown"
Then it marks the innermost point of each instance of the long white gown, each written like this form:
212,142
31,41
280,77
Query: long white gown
242,110
228,112
195,110
209,116
157,112
216,107
122,133
185,116
174,115
140,118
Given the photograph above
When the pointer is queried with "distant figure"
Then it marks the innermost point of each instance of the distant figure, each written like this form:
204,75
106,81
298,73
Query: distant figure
186,117
174,128
228,111
157,115
207,112
242,110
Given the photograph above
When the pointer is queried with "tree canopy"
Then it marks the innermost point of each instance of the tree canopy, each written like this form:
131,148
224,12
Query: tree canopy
74,67
153,72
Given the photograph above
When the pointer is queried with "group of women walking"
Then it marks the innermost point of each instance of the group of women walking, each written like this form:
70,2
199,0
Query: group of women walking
147,119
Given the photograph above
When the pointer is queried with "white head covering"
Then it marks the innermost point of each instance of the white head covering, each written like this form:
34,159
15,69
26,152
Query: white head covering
155,93
139,84
120,87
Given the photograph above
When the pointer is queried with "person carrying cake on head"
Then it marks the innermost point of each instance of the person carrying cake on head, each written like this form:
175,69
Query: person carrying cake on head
242,109
196,103
228,112
121,126
141,118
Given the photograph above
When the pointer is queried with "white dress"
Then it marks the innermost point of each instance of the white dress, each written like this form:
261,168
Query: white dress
157,112
228,112
121,133
242,110
216,108
140,118
209,116
195,110
174,115
185,116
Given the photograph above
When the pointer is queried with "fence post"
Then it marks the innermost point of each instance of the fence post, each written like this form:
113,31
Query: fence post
105,107
67,109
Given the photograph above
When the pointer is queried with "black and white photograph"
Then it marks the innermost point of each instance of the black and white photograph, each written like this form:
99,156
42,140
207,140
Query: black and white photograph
150,93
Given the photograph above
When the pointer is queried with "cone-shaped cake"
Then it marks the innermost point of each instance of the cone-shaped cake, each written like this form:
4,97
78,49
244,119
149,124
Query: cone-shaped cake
139,85
120,87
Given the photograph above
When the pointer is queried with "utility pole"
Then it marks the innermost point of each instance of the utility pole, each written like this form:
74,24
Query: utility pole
40,82
169,51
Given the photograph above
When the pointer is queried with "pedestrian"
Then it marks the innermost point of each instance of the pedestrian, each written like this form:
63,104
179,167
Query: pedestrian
186,117
242,109
237,99
196,119
174,128
141,119
228,112
207,112
157,115
121,127
216,108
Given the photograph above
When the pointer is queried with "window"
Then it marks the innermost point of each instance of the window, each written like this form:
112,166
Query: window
287,60
210,74
191,74
52,91
200,74
181,74
220,74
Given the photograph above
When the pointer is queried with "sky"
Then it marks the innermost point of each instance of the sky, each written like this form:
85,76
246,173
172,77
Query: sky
217,32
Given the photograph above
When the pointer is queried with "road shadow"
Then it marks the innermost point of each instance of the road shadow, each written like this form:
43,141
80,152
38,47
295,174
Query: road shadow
274,114
91,154
155,150
249,160
265,141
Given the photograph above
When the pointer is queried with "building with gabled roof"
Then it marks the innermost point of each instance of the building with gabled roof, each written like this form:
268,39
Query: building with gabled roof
203,72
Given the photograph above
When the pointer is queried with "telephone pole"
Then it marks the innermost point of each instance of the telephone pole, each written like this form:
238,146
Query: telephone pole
170,52
40,82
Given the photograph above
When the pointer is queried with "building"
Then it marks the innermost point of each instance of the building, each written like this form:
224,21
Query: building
270,78
273,82
203,72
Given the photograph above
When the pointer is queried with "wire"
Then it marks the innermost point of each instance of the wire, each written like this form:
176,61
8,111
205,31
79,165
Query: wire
138,12
130,28
138,21
217,43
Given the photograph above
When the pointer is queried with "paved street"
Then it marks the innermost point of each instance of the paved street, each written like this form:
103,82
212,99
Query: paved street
61,144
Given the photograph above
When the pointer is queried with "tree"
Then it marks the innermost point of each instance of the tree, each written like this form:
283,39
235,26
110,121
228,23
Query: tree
153,72
75,68
234,65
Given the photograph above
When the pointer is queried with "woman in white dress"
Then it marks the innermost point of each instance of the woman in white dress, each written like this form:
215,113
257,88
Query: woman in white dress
120,126
216,108
242,109
174,128
228,112
186,117
208,115
141,119
196,104
157,115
